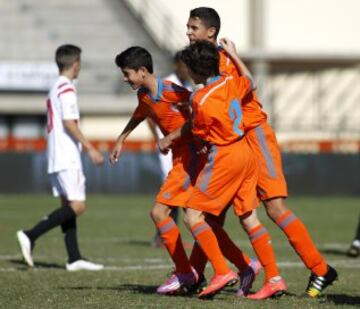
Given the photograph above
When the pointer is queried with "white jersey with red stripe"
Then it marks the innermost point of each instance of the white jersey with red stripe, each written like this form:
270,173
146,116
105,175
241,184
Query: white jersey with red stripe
63,151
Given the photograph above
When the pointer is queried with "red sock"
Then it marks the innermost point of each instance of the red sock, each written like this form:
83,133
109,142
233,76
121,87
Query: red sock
198,259
208,242
301,241
261,242
170,235
229,249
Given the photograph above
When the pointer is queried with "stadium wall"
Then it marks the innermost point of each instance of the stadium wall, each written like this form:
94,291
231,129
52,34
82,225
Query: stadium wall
139,172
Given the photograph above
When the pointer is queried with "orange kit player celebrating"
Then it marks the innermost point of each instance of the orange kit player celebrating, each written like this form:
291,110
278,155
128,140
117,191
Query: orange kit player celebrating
159,100
231,172
204,24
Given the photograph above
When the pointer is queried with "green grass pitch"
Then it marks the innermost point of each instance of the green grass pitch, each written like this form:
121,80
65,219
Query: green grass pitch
116,231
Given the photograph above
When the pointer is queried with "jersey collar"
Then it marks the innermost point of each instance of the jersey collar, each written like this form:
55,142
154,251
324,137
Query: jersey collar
212,79
159,91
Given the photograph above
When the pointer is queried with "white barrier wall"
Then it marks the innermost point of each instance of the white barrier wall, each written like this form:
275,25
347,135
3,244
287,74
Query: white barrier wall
294,26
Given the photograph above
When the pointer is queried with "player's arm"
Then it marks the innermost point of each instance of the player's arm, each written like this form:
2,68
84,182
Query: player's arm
166,142
70,117
131,125
152,128
229,47
73,129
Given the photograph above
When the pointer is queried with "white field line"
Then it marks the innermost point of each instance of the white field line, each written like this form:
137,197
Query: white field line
348,264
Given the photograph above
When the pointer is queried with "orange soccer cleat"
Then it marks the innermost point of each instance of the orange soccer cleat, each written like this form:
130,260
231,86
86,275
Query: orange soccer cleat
271,289
218,282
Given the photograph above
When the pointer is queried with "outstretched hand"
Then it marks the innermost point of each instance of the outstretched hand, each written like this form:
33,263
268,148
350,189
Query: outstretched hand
114,155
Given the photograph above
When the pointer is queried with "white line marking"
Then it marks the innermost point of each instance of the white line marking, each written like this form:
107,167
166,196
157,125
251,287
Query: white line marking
348,264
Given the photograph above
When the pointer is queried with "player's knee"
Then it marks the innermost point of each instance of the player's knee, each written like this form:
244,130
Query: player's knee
191,218
159,213
249,220
78,207
275,208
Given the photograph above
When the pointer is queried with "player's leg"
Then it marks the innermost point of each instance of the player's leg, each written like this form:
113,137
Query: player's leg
183,276
273,190
354,250
261,242
69,228
28,237
205,237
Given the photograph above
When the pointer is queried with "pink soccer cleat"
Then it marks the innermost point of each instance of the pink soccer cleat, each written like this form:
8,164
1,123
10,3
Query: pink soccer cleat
178,282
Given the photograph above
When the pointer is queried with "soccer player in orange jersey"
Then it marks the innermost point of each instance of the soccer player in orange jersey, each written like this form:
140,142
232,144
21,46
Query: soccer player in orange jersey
204,24
231,172
158,100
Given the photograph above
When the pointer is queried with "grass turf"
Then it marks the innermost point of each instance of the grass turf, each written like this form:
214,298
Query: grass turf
117,230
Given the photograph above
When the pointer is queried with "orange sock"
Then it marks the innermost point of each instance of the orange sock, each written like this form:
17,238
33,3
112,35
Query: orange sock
261,242
170,235
301,241
208,242
228,248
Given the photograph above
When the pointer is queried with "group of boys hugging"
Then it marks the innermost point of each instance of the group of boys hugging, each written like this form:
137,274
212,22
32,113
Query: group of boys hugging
224,154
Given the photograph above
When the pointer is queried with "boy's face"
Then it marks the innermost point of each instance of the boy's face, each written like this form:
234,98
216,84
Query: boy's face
197,30
134,78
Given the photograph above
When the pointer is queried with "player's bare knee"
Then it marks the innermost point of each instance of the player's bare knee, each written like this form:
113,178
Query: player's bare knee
78,207
275,207
249,220
159,212
193,217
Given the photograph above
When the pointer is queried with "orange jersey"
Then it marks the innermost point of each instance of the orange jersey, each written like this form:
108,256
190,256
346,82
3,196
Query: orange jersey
162,109
217,113
253,115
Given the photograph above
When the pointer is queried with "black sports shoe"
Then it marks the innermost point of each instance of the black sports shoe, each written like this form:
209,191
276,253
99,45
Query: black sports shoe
317,284
199,286
354,250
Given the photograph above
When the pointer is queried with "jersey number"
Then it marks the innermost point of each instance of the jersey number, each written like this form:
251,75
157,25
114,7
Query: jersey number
235,114
50,123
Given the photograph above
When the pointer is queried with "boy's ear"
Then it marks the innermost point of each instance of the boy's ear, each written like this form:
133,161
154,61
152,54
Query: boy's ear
143,70
211,32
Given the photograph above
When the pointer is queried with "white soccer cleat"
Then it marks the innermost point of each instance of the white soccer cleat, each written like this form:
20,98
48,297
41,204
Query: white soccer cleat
25,247
83,265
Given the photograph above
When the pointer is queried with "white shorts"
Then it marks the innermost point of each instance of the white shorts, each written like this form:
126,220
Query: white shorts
69,183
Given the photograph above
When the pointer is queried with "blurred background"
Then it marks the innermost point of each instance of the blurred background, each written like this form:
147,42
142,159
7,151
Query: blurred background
304,54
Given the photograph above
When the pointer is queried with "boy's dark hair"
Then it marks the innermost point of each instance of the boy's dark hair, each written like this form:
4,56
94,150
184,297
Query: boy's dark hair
134,58
202,58
66,55
208,16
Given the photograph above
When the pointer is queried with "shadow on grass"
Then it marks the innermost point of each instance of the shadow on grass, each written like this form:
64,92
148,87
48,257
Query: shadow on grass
343,299
37,264
334,251
134,288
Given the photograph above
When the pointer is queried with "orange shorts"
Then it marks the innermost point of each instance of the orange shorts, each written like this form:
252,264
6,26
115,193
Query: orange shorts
229,176
263,143
178,185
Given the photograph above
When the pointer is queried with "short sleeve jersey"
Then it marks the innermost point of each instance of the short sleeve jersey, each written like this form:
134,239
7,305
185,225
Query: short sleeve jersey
163,109
62,150
253,115
217,113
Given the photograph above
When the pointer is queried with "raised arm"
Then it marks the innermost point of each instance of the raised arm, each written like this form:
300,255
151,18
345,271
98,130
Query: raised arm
230,48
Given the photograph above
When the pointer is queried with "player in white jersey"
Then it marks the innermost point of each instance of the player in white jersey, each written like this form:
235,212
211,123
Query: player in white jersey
180,77
65,141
